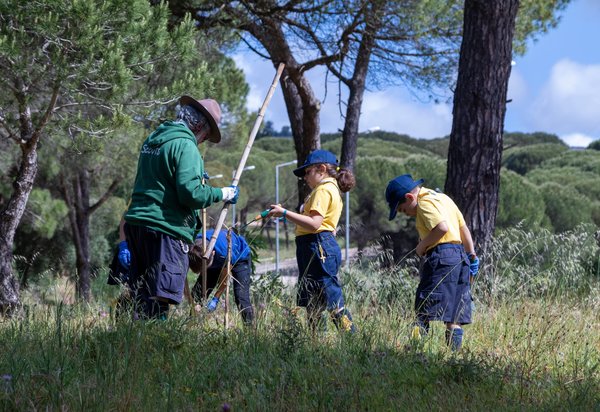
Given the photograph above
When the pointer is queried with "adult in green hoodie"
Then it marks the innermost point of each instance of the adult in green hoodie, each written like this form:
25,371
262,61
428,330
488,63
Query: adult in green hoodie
168,192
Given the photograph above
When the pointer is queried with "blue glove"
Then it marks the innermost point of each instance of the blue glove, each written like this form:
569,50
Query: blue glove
212,305
124,254
205,176
230,194
474,265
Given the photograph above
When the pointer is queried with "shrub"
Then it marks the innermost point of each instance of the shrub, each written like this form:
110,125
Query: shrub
523,159
520,202
525,139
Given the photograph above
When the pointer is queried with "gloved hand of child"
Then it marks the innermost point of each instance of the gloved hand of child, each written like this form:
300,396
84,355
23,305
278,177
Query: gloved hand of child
212,305
230,194
474,265
124,254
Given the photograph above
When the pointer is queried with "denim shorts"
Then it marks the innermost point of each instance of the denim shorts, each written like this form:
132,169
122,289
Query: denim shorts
319,258
444,292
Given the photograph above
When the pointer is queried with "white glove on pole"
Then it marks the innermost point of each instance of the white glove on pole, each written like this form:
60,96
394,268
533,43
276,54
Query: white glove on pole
230,193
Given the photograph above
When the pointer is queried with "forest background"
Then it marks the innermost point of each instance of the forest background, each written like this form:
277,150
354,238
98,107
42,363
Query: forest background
83,84
87,155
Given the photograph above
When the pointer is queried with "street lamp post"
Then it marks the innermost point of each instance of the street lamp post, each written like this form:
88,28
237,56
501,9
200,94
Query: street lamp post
293,162
347,263
233,205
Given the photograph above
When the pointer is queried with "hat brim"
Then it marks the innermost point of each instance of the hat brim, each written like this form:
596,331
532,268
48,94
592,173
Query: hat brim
394,210
215,133
301,171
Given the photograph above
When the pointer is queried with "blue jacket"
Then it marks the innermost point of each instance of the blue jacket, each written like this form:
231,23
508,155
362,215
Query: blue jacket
239,248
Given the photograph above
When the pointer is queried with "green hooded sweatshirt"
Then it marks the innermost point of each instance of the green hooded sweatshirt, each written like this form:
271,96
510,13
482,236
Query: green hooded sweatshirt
168,188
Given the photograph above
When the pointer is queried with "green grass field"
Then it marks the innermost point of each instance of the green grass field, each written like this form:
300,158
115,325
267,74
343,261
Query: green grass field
519,355
534,344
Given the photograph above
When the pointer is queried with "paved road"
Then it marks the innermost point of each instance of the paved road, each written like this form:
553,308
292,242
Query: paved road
288,268
290,265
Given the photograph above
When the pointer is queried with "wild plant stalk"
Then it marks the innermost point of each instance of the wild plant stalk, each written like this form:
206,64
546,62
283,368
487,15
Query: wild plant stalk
533,345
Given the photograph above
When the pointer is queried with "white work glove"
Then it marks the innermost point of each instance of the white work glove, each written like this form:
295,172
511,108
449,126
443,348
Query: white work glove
230,194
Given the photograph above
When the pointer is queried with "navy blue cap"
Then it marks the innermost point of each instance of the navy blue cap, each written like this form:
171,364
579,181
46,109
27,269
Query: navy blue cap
316,157
396,191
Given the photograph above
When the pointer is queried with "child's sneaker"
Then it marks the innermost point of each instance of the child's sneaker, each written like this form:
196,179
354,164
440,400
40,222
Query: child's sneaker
343,321
454,338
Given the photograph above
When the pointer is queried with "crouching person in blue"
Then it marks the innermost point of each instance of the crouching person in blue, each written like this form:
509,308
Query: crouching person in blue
317,252
168,192
447,256
241,271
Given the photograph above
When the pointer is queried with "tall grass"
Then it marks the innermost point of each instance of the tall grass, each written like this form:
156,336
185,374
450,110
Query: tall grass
516,356
538,350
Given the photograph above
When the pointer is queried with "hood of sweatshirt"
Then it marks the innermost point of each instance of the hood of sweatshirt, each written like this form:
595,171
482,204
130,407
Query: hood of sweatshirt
168,131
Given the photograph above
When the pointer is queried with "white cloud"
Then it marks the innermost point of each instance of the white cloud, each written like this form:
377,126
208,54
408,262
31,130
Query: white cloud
569,103
391,110
259,75
577,139
517,86
395,110
249,65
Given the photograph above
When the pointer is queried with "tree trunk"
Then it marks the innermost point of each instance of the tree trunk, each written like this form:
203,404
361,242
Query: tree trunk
357,85
475,152
76,193
302,106
9,220
77,196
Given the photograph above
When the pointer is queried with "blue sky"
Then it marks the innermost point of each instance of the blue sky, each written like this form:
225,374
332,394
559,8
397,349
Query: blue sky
554,87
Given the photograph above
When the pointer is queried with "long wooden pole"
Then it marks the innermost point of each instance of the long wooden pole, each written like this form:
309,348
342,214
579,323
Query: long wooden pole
245,154
204,261
227,278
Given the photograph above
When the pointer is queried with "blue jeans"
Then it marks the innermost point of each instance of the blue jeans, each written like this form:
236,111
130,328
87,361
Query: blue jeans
319,258
241,274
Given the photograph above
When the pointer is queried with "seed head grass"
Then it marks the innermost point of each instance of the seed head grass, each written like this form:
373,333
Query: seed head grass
527,348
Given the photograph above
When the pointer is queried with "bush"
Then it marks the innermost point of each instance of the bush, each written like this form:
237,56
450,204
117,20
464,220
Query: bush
525,139
584,160
520,203
565,207
524,159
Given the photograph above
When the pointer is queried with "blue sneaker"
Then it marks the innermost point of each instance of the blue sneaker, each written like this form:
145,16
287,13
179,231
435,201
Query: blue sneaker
454,338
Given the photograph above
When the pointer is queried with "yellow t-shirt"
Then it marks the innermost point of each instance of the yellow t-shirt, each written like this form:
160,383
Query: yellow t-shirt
434,208
325,199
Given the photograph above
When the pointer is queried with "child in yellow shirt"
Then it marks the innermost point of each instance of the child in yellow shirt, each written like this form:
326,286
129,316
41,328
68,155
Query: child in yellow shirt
317,252
447,252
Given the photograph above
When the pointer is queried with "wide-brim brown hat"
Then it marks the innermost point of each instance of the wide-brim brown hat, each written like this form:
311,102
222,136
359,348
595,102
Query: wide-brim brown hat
209,108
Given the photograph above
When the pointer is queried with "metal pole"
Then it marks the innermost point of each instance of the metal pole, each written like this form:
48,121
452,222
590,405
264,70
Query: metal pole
277,221
293,162
347,231
233,205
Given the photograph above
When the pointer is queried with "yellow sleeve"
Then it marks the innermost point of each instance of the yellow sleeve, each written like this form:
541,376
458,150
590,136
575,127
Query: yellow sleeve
319,202
431,215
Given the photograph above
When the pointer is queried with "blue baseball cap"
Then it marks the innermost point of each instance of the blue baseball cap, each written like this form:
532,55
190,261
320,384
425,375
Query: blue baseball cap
396,191
316,157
